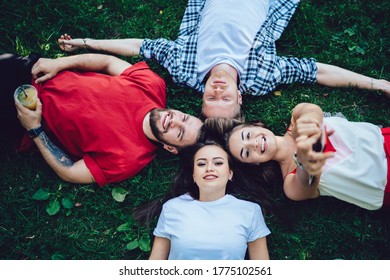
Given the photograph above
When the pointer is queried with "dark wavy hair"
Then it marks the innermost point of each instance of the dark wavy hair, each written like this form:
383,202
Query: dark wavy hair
240,186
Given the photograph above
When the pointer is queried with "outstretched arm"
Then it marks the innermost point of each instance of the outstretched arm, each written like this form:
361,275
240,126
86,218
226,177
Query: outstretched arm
45,68
126,47
60,162
334,76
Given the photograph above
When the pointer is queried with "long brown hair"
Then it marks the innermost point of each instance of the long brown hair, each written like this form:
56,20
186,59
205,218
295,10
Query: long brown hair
240,186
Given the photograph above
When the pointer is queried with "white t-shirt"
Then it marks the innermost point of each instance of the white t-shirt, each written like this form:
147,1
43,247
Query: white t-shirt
227,31
357,173
216,230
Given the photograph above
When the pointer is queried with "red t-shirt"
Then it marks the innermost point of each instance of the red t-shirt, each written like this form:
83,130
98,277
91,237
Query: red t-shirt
99,118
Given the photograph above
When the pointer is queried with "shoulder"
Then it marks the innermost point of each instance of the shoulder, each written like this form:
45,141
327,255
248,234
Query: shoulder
243,203
178,201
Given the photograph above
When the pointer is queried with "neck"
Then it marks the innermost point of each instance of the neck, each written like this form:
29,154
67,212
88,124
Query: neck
147,129
286,149
208,197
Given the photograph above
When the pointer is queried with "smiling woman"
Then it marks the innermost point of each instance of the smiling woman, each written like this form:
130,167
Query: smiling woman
351,165
193,216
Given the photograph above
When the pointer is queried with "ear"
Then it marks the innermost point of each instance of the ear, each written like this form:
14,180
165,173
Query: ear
230,174
239,97
171,149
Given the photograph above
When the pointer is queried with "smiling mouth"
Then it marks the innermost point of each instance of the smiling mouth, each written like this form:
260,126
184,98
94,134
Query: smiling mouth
210,177
165,121
263,144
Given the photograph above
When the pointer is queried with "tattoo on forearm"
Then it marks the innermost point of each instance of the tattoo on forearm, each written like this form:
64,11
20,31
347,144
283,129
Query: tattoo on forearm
58,154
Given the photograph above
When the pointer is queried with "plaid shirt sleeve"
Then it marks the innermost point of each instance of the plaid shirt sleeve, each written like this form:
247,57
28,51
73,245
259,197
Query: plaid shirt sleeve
264,69
295,70
162,50
190,21
179,56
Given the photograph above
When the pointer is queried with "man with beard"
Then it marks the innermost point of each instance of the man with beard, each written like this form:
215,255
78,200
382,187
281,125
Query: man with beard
98,118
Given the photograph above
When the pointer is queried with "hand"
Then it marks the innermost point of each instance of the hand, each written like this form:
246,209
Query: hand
68,44
311,161
306,126
45,69
28,118
383,86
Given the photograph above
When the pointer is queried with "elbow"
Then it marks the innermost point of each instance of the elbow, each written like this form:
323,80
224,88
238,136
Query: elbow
66,177
294,197
300,195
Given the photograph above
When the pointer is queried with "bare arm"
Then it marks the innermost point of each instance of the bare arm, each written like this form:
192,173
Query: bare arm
127,47
45,68
258,249
60,162
160,249
306,127
334,76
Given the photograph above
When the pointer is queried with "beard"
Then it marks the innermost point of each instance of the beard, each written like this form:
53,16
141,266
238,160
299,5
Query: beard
154,118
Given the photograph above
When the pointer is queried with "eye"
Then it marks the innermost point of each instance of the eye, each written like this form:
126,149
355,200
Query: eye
219,163
248,136
247,153
185,118
210,99
200,164
180,133
226,99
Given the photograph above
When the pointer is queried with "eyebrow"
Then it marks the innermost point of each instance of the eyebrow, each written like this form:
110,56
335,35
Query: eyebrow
214,158
242,138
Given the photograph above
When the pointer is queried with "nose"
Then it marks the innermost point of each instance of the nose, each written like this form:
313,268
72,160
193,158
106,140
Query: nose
209,167
255,143
175,123
218,88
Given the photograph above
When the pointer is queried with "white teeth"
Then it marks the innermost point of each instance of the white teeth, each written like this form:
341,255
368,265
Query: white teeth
165,124
262,144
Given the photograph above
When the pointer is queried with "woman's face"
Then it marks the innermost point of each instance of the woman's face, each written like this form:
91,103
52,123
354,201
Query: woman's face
211,170
252,144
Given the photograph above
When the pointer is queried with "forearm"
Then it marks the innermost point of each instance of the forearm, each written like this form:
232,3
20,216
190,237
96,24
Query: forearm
61,163
334,76
297,187
85,62
126,47
309,110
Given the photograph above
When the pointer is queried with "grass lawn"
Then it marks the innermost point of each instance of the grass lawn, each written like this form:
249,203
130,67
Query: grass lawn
43,217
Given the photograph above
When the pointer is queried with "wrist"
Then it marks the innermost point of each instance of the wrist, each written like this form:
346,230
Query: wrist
297,162
85,46
34,132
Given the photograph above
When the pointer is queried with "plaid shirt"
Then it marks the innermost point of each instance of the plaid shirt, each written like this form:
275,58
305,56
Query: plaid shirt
264,70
